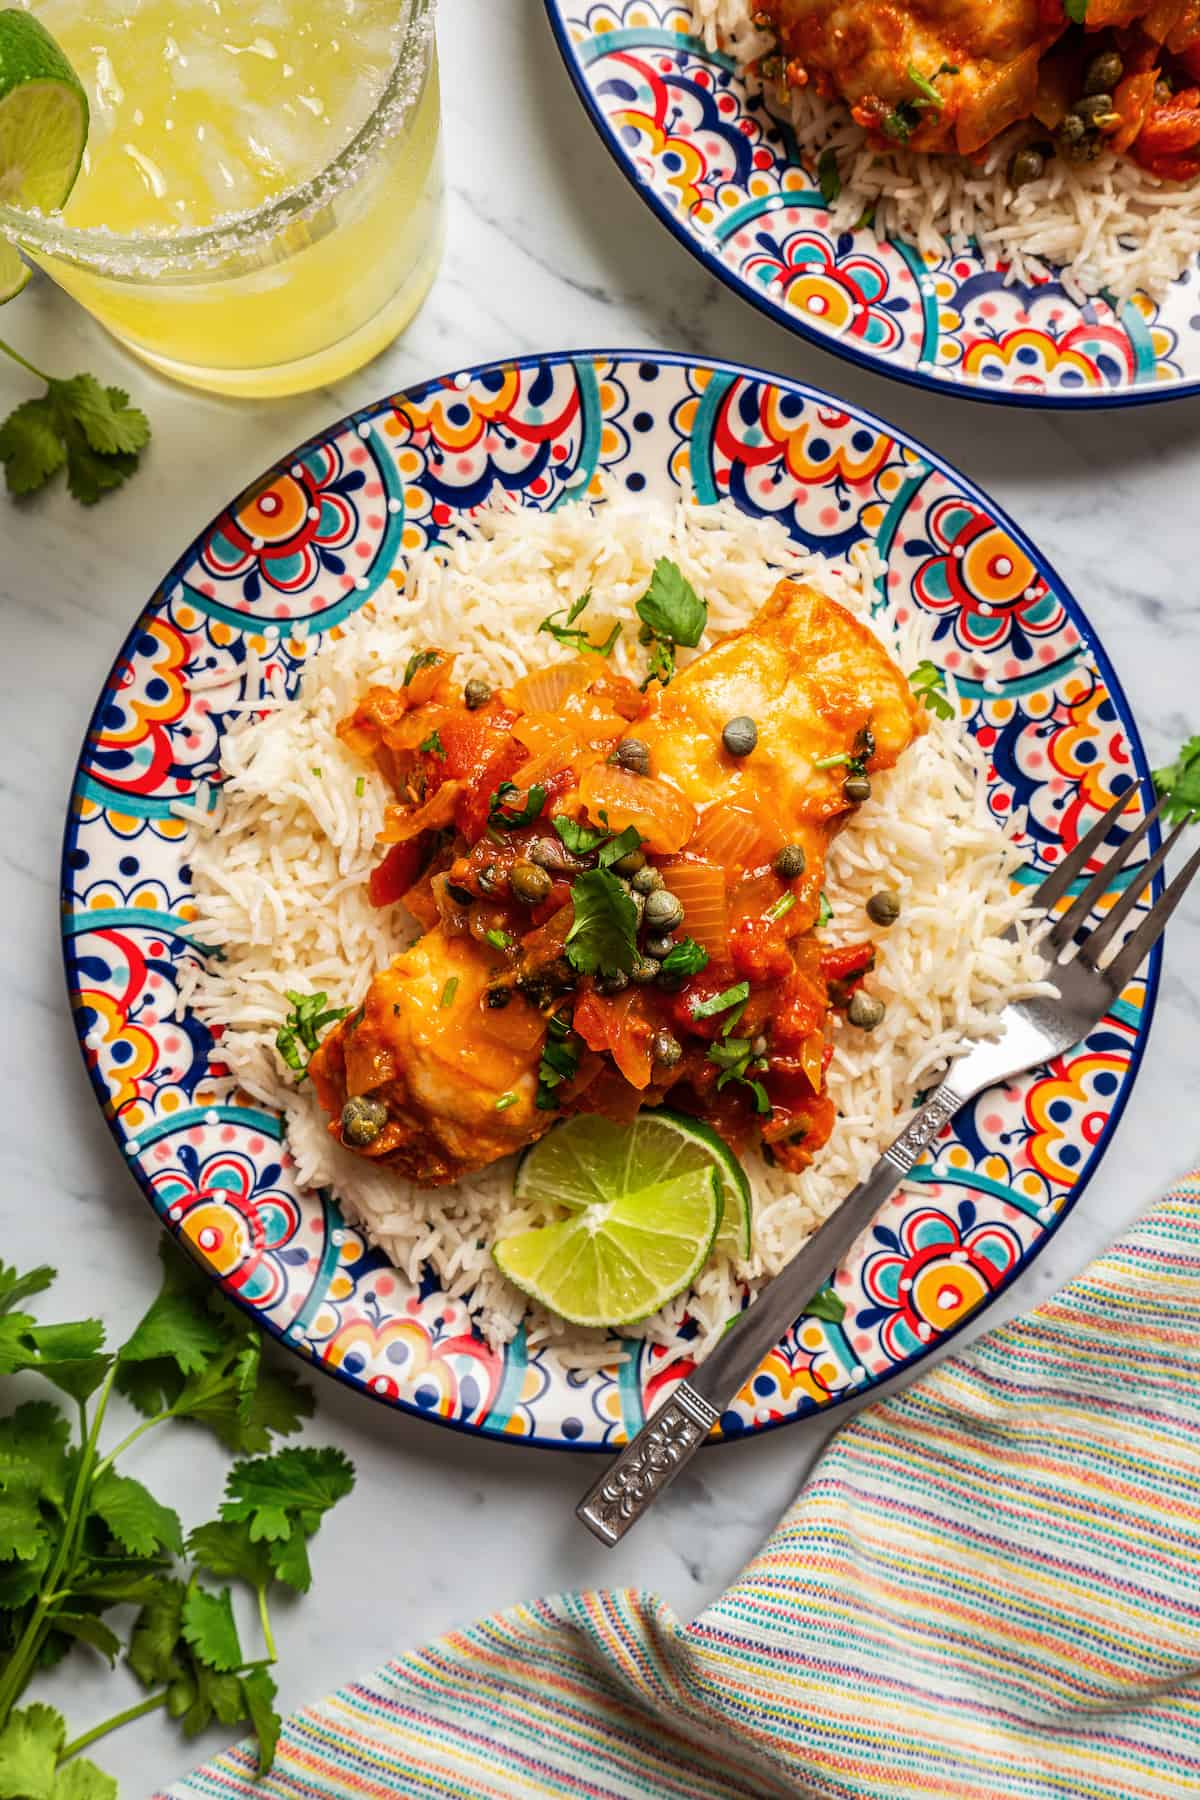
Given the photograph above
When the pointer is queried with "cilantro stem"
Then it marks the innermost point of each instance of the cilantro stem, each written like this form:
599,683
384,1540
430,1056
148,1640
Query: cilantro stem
106,1725
132,1438
18,358
264,1618
20,1662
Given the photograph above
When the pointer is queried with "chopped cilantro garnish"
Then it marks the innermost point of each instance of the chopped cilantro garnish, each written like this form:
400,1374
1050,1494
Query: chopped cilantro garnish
829,176
505,1101
420,659
577,638
507,810
707,1009
579,838
624,844
685,958
360,787
300,1030
781,908
825,911
433,746
672,613
448,993
928,683
500,940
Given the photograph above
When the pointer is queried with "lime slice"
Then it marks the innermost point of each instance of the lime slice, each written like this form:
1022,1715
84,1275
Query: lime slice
625,1252
43,129
589,1160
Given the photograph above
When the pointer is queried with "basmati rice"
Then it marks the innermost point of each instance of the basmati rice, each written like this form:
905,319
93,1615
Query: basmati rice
1106,226
280,879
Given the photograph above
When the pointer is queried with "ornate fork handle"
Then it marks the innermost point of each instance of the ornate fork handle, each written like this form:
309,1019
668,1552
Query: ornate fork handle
672,1436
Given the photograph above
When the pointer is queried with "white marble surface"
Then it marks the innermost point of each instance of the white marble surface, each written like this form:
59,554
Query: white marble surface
548,248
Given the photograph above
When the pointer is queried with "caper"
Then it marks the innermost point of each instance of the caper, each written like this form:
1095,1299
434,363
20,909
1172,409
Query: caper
865,1011
1095,110
362,1120
666,1050
630,863
1103,73
616,983
490,879
634,755
740,736
477,693
1072,130
883,908
664,911
529,883
647,881
644,970
857,789
1026,166
790,862
660,946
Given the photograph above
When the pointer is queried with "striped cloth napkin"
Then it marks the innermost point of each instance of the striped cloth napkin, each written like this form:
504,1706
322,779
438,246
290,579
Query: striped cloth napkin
989,1588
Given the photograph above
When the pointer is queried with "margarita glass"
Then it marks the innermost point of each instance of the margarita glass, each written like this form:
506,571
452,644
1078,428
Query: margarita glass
259,209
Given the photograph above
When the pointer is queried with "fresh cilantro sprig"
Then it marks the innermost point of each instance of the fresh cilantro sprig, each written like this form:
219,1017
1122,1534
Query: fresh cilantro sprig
573,635
420,659
672,613
90,430
1180,782
80,1541
298,1036
928,683
736,1059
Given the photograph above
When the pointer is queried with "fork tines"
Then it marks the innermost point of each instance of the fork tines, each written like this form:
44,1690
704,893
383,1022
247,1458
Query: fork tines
1132,952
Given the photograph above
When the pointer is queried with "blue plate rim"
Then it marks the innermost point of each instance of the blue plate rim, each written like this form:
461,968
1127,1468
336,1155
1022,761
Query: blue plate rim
418,392
1151,394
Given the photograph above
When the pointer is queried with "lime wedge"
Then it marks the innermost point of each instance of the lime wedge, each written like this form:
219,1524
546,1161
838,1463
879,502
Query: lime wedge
43,129
624,1252
587,1161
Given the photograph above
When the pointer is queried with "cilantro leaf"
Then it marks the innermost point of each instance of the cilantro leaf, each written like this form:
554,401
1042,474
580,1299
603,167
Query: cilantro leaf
301,1029
719,1003
29,1747
603,936
22,1533
33,1447
578,639
507,810
258,1691
928,683
829,176
156,1632
31,447
224,1547
624,844
136,1519
278,1405
420,659
824,911
268,1491
930,98
80,1779
177,1325
1180,782
289,1560
433,745
685,958
109,423
825,1305
67,1355
671,607
579,838
86,1628
14,1287
208,1626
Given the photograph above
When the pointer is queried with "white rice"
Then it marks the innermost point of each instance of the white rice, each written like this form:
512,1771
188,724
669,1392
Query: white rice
1105,226
281,868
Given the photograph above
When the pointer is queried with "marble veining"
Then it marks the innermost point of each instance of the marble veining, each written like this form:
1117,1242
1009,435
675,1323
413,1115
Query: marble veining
548,248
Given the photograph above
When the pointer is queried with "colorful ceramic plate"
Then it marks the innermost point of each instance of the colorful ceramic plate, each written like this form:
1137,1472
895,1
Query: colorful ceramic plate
302,549
722,173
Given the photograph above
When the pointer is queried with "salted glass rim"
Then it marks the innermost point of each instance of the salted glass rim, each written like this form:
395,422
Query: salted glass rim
150,253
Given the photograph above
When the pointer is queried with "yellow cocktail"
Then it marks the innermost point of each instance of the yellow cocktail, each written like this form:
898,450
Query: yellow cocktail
259,206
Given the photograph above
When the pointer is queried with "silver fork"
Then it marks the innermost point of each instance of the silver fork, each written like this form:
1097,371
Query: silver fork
1030,1032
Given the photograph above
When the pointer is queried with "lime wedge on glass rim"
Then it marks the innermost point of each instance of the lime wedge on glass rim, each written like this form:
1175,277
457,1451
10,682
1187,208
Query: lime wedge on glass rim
645,1203
43,130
